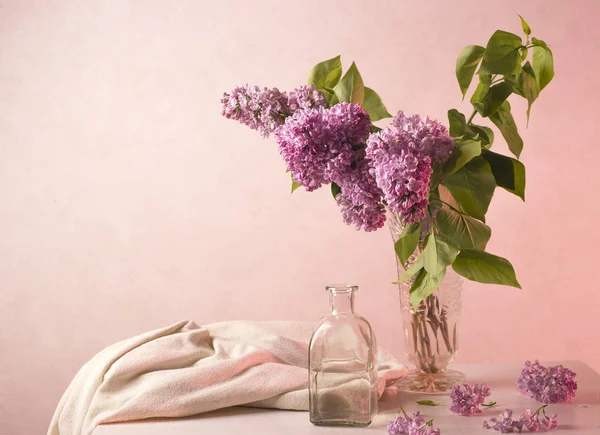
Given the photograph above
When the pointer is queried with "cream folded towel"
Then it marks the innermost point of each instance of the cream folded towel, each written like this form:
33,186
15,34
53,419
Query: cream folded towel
185,369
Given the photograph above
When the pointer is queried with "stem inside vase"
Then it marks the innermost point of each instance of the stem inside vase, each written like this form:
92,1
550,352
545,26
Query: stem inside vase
431,329
431,340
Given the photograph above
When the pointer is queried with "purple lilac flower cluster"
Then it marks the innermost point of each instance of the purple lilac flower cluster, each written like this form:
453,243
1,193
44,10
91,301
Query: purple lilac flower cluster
360,198
260,109
547,384
305,97
322,146
410,425
402,158
467,398
316,144
527,421
265,109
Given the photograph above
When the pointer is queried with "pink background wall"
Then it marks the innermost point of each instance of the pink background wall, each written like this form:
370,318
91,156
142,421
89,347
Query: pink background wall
127,202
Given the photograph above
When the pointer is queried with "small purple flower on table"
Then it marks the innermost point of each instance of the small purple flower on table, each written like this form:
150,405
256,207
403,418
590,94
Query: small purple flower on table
416,424
534,422
528,421
504,423
547,384
467,398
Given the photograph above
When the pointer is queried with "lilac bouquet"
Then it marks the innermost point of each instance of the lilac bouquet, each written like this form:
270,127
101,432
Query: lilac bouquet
437,181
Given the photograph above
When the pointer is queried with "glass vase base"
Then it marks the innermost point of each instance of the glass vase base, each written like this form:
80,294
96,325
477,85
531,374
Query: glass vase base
419,382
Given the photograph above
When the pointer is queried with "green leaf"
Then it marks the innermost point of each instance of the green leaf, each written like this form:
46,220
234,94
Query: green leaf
538,42
508,172
493,99
486,134
374,106
407,242
350,88
502,54
329,97
489,405
472,187
436,175
294,184
466,63
429,403
411,271
326,74
484,267
458,123
465,151
505,122
424,285
485,80
525,26
462,229
335,190
438,253
515,81
529,86
543,65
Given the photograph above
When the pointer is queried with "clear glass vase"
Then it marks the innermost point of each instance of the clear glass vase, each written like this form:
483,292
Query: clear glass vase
431,332
342,365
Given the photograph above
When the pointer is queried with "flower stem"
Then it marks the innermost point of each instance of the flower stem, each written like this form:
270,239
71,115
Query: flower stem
471,117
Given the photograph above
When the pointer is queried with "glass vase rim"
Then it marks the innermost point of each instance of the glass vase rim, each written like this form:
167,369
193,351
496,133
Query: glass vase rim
341,288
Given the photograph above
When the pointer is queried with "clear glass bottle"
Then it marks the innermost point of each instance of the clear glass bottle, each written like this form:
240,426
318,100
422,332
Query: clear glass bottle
342,364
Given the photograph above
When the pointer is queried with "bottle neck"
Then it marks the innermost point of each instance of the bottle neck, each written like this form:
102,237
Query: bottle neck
341,303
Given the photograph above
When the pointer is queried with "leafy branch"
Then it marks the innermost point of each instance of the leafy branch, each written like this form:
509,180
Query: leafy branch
454,233
503,67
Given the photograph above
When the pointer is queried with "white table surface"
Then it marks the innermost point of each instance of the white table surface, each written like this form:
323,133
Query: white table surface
580,416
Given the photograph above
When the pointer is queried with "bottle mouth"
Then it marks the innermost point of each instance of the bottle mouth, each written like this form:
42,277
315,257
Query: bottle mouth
341,288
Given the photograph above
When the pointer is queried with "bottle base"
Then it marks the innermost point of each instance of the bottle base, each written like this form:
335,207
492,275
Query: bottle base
346,423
